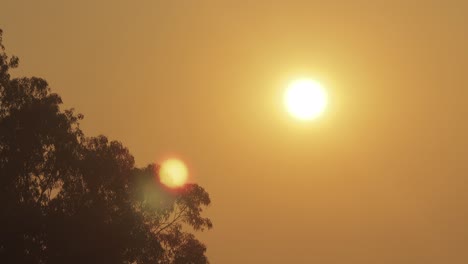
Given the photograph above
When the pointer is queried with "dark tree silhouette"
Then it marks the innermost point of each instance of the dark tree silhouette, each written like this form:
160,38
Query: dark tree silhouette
67,198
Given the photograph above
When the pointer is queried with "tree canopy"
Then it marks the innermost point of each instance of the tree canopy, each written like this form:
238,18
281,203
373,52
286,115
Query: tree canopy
68,198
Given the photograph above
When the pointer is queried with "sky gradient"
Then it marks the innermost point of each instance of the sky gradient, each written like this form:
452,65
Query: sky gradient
381,177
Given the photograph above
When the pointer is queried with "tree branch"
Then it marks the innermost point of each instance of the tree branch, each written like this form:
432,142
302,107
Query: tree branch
177,216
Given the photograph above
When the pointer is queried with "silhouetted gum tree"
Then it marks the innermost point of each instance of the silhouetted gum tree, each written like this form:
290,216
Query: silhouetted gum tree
67,198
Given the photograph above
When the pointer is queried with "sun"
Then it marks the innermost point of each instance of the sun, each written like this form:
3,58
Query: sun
173,173
305,99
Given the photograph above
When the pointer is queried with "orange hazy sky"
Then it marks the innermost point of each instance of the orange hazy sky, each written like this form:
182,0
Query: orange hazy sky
381,177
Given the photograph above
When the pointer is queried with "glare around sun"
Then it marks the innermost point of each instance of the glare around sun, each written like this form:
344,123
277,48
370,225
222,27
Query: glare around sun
305,99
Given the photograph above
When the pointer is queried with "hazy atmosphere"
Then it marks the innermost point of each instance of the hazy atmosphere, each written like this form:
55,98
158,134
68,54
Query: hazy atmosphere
379,177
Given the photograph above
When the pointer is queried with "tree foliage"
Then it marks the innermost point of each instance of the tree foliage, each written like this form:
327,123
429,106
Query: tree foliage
68,198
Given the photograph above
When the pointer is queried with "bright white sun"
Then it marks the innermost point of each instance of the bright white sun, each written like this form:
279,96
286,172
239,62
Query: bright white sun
305,99
173,173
